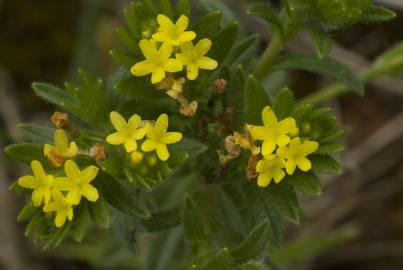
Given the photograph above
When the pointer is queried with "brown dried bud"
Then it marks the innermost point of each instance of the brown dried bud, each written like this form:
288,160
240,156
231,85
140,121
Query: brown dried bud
97,152
55,159
189,109
231,147
251,170
60,120
219,86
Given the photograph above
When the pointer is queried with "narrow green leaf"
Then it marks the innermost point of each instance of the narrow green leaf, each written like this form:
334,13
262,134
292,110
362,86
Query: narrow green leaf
208,25
28,212
58,236
324,66
183,8
81,221
325,164
224,42
126,38
322,40
26,152
244,51
305,182
214,5
123,58
193,147
192,221
99,213
253,267
284,103
266,12
162,220
166,8
236,96
37,133
391,61
254,245
53,95
256,99
330,148
282,196
137,87
221,261
376,13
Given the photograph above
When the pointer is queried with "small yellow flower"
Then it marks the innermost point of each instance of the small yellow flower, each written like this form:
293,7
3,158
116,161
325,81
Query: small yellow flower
157,61
62,206
128,133
62,150
295,154
193,57
40,182
271,167
158,138
77,183
171,33
274,133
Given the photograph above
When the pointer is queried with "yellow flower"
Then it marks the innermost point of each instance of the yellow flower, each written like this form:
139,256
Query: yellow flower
62,150
273,133
62,206
157,61
128,133
193,57
271,167
77,183
295,154
158,138
41,183
171,33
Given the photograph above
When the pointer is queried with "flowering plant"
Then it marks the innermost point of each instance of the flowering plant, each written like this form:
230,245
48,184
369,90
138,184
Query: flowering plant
188,135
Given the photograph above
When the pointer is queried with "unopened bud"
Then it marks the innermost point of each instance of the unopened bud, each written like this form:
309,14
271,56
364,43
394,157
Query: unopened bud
219,86
136,157
190,109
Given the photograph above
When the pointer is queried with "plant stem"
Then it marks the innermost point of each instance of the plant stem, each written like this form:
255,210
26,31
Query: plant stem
337,89
270,54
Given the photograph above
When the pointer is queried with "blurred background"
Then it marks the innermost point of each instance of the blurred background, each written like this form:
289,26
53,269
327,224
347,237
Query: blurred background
356,224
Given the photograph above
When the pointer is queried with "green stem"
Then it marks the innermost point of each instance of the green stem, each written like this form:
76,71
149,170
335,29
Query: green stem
270,54
332,91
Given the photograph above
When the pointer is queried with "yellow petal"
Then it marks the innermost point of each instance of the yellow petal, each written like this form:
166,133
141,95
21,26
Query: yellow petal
47,194
171,137
203,46
61,141
116,138
89,173
260,166
295,143
71,169
47,149
308,147
187,36
50,207
182,23
282,140
37,169
268,147
70,214
283,152
118,121
60,219
72,150
57,197
290,166
162,151
278,175
263,180
268,116
148,49
186,47
181,57
260,133
192,71
134,122
142,68
74,195
288,125
206,63
165,51
173,65
140,133
161,124
304,164
37,197
148,146
90,192
27,181
158,75
63,184
130,145
164,22
162,37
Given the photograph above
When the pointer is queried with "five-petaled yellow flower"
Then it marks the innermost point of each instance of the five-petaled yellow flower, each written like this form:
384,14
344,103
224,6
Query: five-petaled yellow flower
193,57
128,133
171,33
158,138
77,183
40,182
61,150
62,206
274,133
295,154
271,167
157,61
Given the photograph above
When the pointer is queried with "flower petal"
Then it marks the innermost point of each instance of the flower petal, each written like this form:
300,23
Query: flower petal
165,51
158,75
148,145
308,147
72,150
278,175
164,22
288,125
173,65
290,166
118,121
140,133
192,71
187,36
162,151
268,117
206,63
60,219
130,145
263,180
37,197
182,23
304,164
116,138
268,147
134,122
282,140
63,183
74,195
148,49
161,125
27,181
261,133
71,169
203,46
162,37
61,141
171,137
89,173
37,169
90,192
142,68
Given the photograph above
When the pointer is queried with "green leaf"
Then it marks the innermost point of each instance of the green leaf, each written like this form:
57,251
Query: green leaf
305,182
99,213
376,13
137,87
125,59
208,25
244,52
121,198
256,99
28,212
224,41
26,152
81,221
253,267
284,103
282,196
391,61
58,236
221,261
322,40
267,13
126,38
192,221
183,8
166,8
54,95
141,19
37,133
324,66
236,96
162,220
325,164
330,148
254,245
193,147
214,5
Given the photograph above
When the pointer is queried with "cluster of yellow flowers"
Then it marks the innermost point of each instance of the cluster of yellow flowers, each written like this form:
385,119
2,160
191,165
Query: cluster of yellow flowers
60,194
129,132
281,148
169,38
